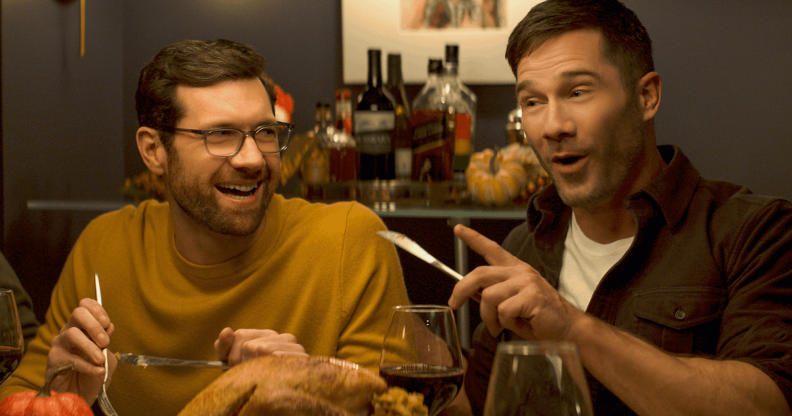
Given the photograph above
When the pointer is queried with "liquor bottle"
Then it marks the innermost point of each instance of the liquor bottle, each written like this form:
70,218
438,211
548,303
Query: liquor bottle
433,125
402,134
315,165
466,123
343,111
343,155
373,125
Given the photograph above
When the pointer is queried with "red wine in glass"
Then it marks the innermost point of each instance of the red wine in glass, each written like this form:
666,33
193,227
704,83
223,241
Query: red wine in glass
11,343
421,354
9,359
438,384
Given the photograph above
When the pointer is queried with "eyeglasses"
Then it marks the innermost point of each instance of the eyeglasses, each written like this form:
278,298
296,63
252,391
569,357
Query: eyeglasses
226,142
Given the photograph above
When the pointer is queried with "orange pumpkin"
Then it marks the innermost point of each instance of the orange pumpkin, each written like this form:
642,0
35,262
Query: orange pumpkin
495,179
44,402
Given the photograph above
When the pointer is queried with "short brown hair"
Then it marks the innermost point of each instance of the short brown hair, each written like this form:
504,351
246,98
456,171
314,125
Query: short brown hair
626,42
194,63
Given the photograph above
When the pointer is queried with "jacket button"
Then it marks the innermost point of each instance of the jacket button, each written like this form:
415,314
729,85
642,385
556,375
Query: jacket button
680,314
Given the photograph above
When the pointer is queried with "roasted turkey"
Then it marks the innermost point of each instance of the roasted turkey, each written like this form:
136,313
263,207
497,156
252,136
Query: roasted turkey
273,385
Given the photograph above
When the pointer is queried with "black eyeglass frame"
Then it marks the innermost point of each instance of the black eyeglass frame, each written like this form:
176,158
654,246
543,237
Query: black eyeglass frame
252,133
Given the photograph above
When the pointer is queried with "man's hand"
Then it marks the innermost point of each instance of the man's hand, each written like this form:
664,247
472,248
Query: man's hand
514,295
80,342
241,345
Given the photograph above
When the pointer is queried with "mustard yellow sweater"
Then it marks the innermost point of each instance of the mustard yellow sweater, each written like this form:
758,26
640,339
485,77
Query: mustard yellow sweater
319,272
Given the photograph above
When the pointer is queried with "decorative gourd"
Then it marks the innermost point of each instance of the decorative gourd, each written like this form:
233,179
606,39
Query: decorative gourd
522,154
495,179
45,403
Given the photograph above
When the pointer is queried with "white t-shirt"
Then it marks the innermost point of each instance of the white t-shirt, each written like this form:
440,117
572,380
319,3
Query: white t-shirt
584,263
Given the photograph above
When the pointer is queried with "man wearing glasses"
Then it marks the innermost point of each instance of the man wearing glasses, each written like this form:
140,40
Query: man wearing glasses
224,269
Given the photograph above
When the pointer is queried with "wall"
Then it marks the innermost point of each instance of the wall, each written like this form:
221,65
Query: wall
69,122
724,64
62,126
726,69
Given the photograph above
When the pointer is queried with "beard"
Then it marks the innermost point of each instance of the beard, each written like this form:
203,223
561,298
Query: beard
200,202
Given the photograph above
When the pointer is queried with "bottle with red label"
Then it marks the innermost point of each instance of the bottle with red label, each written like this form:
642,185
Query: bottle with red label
466,118
341,144
440,124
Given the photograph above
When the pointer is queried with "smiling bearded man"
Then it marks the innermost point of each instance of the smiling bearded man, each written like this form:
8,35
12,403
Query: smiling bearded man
225,268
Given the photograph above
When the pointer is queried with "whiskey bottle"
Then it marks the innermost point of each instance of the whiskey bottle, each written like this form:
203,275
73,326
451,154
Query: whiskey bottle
466,118
342,145
433,124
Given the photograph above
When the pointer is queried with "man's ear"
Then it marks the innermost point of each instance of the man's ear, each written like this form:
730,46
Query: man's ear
650,90
151,150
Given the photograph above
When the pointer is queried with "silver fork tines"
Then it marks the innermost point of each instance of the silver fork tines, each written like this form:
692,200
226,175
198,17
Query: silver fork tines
104,401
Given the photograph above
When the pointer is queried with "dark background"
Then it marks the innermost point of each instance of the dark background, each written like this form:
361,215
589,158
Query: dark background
68,122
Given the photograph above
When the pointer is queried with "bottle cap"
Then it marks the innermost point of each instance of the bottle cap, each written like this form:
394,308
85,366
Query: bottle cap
452,53
435,66
343,94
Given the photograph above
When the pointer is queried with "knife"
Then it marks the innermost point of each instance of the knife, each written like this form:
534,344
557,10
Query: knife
416,250
146,360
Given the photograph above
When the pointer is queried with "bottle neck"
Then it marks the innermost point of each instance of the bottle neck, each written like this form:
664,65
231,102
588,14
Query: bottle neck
374,69
395,76
450,69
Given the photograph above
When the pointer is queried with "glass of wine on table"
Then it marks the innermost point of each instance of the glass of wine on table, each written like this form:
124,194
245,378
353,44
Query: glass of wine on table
11,342
421,354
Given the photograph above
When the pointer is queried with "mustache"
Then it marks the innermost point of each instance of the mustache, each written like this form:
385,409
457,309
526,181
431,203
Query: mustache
237,175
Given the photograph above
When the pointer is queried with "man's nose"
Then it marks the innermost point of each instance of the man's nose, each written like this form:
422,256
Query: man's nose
249,155
558,122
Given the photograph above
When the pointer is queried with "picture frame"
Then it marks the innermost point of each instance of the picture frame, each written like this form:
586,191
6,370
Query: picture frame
407,28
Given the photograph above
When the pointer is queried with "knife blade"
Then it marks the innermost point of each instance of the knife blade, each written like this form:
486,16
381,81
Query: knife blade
147,360
401,240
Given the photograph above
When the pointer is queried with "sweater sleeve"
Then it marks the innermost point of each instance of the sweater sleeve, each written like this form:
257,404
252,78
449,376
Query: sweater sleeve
75,283
373,284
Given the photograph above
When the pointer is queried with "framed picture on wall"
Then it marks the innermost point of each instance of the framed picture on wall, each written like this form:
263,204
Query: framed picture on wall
420,29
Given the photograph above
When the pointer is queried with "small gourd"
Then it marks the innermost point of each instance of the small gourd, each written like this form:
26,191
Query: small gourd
44,402
495,179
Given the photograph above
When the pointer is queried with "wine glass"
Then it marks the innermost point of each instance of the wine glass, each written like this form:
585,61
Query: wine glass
421,354
537,379
11,342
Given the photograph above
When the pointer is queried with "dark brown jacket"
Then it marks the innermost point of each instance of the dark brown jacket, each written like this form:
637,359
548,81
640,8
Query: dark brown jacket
709,273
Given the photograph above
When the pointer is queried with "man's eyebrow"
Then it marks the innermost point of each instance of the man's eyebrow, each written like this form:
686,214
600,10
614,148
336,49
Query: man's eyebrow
572,73
581,73
523,85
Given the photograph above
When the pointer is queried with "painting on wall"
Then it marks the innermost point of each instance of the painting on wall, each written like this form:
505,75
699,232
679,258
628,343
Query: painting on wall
420,29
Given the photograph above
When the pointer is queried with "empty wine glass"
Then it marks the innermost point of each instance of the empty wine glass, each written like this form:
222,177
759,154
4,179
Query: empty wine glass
11,342
537,379
421,354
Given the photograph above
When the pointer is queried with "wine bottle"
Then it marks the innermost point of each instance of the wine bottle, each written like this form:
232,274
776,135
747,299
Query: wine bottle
373,125
434,129
466,117
402,134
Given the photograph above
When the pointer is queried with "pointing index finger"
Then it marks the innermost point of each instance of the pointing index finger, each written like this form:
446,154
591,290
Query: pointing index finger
492,252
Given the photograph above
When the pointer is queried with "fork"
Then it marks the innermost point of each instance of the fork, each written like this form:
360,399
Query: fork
104,401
